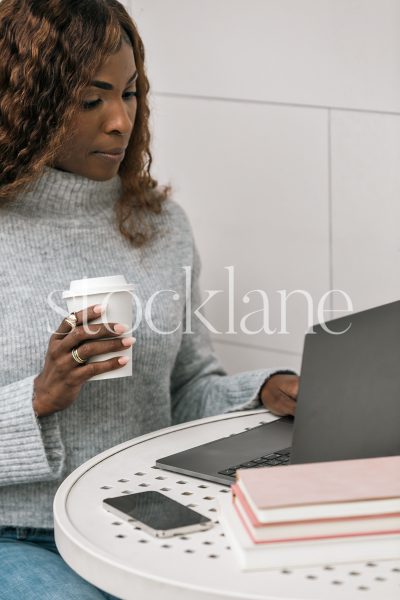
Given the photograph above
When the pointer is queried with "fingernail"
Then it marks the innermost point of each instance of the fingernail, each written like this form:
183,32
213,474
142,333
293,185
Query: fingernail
123,360
128,341
98,309
119,328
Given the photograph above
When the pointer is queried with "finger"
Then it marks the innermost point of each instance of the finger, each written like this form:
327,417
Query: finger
290,387
295,387
284,403
82,316
90,332
89,349
288,405
279,404
85,372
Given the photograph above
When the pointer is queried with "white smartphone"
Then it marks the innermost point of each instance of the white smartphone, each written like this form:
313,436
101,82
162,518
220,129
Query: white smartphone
157,514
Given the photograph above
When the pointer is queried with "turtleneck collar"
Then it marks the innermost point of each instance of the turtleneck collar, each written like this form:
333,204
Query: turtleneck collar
63,194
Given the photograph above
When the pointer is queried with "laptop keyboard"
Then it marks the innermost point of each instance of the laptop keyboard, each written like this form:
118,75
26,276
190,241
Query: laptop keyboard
274,459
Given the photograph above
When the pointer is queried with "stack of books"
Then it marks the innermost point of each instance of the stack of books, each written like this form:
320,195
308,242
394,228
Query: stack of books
314,514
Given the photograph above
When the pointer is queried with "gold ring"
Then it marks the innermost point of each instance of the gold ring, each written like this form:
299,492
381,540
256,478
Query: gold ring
71,320
76,357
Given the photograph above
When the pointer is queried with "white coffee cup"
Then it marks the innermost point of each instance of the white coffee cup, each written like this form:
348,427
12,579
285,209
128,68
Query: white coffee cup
114,294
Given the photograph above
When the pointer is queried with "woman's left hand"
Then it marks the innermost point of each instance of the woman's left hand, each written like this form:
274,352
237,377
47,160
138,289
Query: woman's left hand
279,394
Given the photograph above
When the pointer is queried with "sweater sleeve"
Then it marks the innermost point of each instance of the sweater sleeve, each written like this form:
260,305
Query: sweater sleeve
199,385
30,449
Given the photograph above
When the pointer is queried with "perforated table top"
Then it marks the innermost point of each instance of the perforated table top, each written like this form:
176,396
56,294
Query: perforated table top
120,558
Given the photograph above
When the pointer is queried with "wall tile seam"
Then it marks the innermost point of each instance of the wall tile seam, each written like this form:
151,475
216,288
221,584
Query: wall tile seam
330,208
274,103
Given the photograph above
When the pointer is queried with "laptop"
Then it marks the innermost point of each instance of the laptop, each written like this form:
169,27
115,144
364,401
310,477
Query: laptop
348,404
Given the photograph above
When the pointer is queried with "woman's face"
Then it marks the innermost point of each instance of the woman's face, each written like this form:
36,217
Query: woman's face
105,121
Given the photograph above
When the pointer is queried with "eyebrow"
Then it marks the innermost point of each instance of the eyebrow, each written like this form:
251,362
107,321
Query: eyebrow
103,85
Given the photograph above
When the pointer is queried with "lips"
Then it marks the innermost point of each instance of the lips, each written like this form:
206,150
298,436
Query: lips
112,151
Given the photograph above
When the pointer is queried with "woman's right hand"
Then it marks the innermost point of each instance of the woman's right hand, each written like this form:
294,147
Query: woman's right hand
60,381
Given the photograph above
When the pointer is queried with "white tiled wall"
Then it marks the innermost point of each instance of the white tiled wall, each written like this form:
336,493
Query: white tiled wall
278,124
339,53
241,184
366,206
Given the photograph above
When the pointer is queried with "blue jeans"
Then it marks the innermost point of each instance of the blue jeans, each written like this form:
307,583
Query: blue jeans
31,568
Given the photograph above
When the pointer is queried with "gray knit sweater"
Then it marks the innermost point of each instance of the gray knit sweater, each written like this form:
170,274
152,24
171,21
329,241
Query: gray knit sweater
62,229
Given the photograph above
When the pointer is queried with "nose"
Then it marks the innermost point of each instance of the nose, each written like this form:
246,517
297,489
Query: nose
120,118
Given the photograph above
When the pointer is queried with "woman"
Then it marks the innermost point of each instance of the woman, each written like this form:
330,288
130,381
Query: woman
77,199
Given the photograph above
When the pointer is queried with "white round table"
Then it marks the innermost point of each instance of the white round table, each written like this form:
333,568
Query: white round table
122,560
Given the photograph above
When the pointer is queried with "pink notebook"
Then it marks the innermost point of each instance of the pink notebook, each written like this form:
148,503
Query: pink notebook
361,482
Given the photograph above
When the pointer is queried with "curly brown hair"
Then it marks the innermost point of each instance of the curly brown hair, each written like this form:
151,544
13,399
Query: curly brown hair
49,50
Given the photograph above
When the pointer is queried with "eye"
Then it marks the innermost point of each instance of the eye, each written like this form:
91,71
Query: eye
93,103
131,94
88,105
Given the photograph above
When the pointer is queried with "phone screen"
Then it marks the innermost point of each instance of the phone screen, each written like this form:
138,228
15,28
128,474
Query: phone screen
156,510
